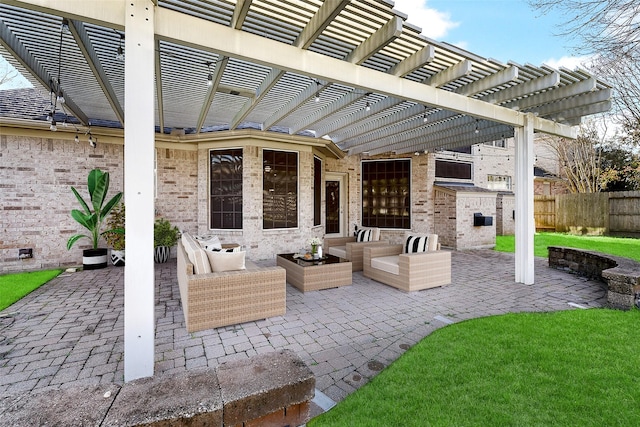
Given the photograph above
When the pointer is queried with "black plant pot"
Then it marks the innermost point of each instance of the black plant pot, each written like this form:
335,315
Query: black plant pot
92,259
161,253
117,258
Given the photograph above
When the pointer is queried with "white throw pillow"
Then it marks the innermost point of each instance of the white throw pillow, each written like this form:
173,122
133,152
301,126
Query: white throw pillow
226,261
364,235
210,243
414,244
196,254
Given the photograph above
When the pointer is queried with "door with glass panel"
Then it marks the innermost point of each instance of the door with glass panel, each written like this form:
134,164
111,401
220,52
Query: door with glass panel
335,196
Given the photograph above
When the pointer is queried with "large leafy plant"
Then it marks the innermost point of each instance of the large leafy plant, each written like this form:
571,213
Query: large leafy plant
92,217
115,222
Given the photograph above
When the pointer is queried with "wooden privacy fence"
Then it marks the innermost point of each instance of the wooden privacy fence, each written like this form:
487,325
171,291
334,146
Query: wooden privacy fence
616,213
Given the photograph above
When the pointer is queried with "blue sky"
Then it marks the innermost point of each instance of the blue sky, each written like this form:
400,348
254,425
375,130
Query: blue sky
505,30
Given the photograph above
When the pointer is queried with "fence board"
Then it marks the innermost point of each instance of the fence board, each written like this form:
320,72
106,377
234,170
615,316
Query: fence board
544,212
589,213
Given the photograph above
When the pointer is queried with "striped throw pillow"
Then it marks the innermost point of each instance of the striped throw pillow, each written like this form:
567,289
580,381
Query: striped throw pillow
196,254
416,244
363,235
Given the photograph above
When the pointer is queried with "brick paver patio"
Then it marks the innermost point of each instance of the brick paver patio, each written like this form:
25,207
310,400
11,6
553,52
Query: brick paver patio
70,331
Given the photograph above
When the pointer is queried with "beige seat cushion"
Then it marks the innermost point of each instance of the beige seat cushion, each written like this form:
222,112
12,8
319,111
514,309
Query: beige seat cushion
226,261
196,254
390,263
339,251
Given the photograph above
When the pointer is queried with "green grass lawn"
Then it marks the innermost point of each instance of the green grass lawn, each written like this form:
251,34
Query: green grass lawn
575,368
619,246
14,286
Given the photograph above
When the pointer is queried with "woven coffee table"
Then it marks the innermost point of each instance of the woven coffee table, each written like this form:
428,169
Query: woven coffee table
312,275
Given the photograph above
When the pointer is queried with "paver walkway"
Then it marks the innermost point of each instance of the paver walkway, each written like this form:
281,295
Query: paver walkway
70,331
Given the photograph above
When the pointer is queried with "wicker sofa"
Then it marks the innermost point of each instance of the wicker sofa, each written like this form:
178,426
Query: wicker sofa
348,248
408,271
225,298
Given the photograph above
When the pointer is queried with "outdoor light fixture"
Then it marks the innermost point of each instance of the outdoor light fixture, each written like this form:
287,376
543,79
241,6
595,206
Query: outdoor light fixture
210,75
318,91
367,107
120,50
53,126
424,118
477,129
60,97
50,115
76,139
92,142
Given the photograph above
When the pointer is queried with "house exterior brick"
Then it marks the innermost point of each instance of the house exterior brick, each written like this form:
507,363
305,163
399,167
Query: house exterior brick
38,167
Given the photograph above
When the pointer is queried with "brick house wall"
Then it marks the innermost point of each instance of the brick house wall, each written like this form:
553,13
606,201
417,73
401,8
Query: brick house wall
38,170
454,223
505,207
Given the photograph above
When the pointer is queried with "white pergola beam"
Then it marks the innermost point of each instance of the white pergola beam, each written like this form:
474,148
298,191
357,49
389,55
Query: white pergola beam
84,44
357,135
159,93
525,224
413,62
554,95
139,148
188,30
327,110
378,40
492,132
240,13
267,84
500,78
578,101
578,112
217,73
26,59
291,106
532,86
455,128
461,69
352,120
320,20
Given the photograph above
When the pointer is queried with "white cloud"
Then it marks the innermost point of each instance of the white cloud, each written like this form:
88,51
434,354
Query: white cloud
569,62
434,24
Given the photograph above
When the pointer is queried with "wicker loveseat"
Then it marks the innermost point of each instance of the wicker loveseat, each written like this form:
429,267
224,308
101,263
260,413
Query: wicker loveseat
409,272
225,298
349,248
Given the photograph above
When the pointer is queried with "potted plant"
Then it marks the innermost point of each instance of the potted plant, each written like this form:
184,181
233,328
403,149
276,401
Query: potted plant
164,237
115,237
92,218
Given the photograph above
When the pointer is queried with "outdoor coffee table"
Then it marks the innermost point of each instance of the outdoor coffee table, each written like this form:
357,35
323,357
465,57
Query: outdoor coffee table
312,275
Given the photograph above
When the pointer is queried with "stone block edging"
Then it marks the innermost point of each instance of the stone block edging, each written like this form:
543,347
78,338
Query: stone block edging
620,275
271,389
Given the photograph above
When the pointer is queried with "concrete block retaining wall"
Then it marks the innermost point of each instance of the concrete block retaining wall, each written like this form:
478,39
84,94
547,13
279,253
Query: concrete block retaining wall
620,275
272,389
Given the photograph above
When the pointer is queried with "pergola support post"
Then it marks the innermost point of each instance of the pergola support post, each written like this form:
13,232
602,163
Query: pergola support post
139,146
525,225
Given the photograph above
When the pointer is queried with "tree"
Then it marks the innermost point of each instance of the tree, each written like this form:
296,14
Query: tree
579,159
607,30
7,74
620,168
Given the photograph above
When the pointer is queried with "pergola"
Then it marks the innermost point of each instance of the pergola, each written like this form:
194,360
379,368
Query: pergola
355,75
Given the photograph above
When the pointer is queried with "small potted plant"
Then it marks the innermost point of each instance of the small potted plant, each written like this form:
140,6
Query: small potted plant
164,237
315,243
115,237
92,217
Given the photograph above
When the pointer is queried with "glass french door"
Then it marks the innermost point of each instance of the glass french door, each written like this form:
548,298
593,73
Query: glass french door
335,218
